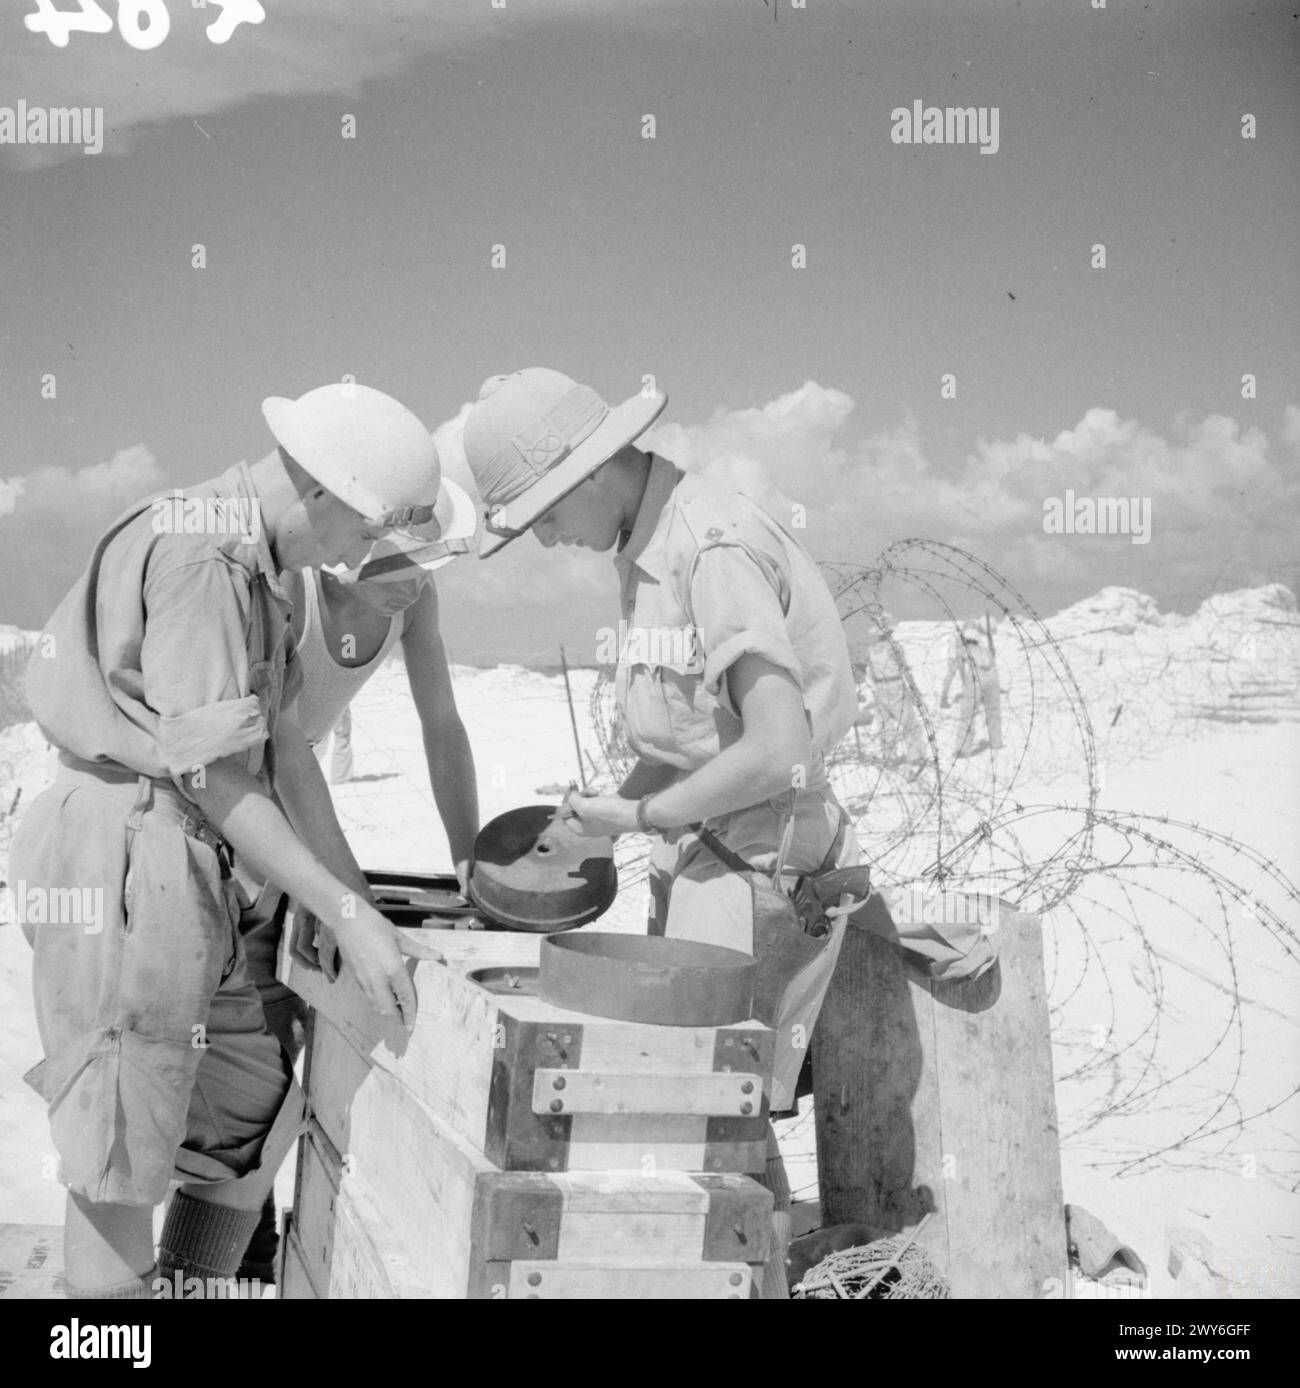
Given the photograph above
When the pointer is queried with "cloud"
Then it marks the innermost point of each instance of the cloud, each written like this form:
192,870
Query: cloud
303,47
50,520
94,490
777,453
1218,493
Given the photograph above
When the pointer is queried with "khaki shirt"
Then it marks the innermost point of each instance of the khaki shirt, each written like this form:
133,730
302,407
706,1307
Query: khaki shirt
171,650
708,576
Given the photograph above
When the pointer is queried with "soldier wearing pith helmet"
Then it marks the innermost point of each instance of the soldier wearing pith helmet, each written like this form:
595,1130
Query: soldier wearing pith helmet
731,728
160,679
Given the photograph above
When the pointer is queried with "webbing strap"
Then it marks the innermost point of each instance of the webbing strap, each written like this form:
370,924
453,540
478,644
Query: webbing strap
736,863
720,850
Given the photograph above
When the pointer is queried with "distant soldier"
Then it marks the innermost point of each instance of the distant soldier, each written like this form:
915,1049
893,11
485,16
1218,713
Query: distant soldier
886,667
973,660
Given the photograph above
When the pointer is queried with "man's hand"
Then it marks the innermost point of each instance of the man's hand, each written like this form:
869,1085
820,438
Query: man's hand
596,816
372,949
462,877
312,944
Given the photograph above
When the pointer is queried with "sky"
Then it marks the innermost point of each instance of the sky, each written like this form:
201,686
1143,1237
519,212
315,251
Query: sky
521,124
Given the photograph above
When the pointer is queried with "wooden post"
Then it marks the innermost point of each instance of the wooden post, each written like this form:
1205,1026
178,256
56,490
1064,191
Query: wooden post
939,1096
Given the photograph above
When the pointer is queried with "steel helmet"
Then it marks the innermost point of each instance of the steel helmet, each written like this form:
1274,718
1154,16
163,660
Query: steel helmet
364,446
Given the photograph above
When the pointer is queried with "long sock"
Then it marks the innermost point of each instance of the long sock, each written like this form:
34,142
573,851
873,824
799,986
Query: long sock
133,1289
204,1241
260,1255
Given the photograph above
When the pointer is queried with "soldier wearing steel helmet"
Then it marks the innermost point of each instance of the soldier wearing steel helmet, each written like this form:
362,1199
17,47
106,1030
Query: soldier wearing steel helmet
160,679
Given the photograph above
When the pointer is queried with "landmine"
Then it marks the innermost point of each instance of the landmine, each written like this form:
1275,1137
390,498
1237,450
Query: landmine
509,1148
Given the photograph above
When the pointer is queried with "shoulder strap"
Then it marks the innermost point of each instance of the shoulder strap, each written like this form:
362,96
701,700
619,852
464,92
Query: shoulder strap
720,850
737,864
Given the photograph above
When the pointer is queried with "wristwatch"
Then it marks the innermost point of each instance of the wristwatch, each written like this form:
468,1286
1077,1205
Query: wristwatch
643,814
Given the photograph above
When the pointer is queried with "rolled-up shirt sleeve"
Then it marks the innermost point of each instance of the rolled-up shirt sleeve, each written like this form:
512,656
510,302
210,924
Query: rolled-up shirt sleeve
737,607
195,668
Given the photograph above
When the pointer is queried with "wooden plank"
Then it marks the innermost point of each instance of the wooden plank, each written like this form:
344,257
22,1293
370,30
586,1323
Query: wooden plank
940,1097
345,1241
586,1090
447,1060
635,1218
627,1192
392,1140
31,1262
457,1221
472,1056
612,1282
1002,1198
646,1142
295,1284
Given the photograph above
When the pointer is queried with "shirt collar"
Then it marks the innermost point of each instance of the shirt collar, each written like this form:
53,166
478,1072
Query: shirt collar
645,544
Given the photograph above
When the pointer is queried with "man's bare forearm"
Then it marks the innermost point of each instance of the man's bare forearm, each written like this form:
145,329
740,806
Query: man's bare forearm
744,774
455,786
302,790
238,805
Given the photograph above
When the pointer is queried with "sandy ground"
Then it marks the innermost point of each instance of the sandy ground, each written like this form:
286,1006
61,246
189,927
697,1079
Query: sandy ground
1220,1208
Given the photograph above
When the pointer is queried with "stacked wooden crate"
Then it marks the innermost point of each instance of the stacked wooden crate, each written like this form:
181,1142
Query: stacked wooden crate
508,1148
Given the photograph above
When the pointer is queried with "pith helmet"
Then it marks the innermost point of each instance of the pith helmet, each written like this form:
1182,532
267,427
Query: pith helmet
537,434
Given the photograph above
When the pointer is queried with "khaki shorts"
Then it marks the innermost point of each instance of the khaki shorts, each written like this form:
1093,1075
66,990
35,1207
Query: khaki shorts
158,1064
261,926
695,896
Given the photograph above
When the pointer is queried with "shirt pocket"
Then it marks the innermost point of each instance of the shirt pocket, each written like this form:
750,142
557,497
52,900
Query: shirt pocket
692,723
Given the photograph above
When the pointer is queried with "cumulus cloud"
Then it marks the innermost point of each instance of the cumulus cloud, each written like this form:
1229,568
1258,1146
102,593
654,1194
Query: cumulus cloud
50,520
1217,489
1219,494
302,47
88,491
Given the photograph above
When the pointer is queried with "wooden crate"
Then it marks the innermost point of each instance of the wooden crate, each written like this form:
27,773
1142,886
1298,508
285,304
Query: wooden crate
939,1097
393,1203
537,1088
